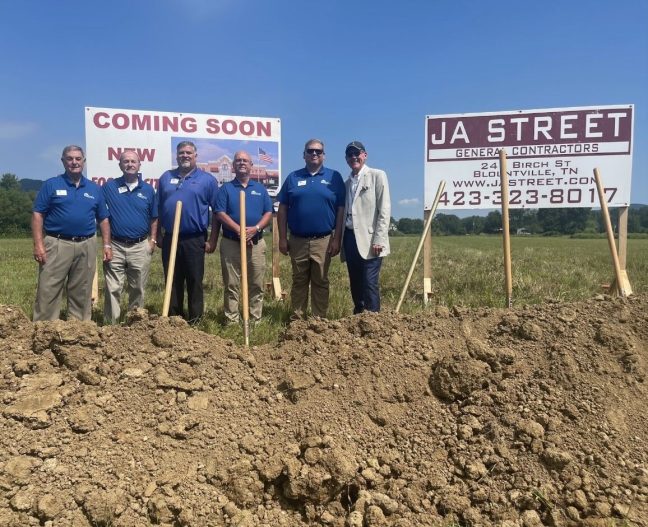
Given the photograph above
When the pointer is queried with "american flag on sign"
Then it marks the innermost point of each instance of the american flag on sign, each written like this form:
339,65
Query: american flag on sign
264,156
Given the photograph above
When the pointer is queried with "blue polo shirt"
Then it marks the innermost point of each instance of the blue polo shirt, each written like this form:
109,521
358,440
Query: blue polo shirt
131,211
69,210
197,192
257,202
312,201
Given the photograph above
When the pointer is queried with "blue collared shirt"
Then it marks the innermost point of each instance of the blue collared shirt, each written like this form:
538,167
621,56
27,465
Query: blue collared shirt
197,191
131,211
257,202
312,201
69,210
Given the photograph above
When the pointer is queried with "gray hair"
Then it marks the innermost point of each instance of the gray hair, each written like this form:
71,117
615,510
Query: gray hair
72,148
186,143
313,141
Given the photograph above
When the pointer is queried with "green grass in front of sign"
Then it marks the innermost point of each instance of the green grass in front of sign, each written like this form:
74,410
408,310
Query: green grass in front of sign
466,271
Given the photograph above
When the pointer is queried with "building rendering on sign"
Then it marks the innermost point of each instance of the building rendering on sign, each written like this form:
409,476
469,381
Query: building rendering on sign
221,169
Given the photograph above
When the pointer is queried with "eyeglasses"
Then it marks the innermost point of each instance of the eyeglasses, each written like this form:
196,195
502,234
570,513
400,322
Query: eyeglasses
314,151
354,153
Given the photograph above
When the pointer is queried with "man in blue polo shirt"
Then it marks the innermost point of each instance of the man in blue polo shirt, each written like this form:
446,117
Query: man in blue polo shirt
311,205
258,213
133,226
68,209
196,190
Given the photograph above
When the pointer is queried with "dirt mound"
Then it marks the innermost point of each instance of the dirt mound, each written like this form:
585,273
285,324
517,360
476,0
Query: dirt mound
529,417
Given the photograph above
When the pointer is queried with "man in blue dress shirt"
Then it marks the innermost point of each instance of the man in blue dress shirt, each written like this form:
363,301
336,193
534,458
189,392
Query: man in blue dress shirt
133,226
64,227
258,213
196,189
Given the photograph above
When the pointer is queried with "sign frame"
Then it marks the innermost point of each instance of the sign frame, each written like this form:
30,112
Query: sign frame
552,153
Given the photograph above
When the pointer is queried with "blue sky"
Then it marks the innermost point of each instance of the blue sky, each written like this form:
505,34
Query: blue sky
338,70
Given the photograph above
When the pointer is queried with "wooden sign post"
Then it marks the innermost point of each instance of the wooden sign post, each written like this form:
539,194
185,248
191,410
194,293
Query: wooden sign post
95,288
621,278
277,293
508,276
427,261
428,224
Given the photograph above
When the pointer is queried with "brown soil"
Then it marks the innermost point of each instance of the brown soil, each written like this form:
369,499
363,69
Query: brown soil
529,417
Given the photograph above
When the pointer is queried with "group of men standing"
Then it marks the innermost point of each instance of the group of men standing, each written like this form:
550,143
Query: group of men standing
323,214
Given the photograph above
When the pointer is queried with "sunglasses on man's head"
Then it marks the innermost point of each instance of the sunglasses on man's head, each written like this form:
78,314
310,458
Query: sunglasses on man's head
314,151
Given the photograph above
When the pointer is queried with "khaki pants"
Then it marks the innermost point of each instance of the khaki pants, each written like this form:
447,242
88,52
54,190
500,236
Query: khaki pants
310,265
130,263
230,251
70,266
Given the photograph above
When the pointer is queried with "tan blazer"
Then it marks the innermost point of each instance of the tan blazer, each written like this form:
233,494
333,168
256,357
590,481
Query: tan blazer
371,209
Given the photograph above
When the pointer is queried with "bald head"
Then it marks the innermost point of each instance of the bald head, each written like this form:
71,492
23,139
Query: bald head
242,165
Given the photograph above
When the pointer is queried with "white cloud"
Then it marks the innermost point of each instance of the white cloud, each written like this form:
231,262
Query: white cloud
409,202
14,130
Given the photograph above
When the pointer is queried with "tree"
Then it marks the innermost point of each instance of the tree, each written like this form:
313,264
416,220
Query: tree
634,221
563,221
550,220
473,224
493,222
9,182
410,226
448,224
643,218
15,210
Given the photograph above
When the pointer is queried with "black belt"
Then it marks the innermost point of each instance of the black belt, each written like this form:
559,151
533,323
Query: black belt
129,241
255,239
312,236
187,236
69,238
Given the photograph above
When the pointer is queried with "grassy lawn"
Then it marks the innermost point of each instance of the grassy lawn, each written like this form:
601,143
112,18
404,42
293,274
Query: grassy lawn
467,271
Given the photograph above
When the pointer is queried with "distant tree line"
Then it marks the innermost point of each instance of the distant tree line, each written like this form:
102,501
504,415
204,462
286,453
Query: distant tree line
17,196
547,222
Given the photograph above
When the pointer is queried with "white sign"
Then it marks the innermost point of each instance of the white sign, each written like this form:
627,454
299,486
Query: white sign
551,155
155,135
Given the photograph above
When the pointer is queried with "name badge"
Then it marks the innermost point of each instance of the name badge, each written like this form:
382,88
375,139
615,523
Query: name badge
301,183
174,181
61,192
122,189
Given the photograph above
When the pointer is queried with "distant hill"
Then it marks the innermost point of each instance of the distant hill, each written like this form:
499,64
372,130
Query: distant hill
27,185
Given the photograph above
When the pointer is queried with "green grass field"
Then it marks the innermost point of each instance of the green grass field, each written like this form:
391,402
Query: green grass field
467,271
